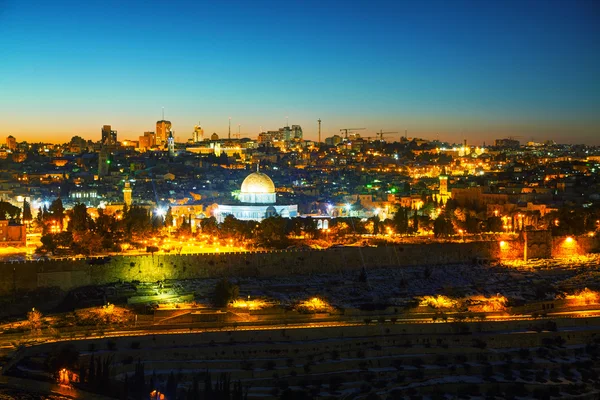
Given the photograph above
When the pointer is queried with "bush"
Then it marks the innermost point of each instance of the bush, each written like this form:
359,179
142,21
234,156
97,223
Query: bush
225,292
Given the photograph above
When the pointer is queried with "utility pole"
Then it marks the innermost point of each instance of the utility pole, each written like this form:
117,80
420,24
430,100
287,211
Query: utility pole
319,120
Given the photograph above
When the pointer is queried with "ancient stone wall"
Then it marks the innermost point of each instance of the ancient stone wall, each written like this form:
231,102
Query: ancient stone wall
71,273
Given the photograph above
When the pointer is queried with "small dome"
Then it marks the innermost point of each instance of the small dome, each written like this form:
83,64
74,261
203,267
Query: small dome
258,182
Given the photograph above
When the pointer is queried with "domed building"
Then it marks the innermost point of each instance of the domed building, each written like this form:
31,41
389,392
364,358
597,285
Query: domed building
258,201
258,188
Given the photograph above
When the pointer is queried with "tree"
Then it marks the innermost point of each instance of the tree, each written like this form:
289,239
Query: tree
79,218
169,218
137,221
88,243
27,216
209,226
272,231
185,228
7,211
225,292
415,227
442,227
34,318
48,243
400,220
58,211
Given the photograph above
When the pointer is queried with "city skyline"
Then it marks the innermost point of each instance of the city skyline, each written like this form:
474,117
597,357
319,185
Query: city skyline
474,71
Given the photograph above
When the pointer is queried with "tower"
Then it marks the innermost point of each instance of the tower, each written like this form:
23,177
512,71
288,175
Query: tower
171,145
127,193
443,185
229,137
103,162
319,121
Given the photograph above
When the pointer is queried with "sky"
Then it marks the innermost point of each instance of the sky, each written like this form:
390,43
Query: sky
477,69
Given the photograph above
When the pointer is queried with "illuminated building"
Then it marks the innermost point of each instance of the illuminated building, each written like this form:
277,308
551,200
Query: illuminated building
127,193
333,140
258,200
443,195
147,141
286,135
198,134
11,143
12,234
163,128
109,137
88,197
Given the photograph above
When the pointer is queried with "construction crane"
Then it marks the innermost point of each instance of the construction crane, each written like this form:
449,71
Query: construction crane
381,133
346,130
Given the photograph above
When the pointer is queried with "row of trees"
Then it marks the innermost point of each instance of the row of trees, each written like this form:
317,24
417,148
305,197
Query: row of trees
86,235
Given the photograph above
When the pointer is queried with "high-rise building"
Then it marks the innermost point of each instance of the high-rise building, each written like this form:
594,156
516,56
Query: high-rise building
198,134
333,140
147,141
109,137
163,128
286,134
11,143
508,143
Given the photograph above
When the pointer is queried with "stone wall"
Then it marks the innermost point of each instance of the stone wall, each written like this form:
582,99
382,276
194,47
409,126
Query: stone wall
71,273
569,246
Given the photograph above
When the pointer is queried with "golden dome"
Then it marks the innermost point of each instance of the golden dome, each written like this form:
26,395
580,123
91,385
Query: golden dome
258,182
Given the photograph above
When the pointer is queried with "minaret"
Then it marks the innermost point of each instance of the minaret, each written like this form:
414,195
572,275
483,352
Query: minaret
127,193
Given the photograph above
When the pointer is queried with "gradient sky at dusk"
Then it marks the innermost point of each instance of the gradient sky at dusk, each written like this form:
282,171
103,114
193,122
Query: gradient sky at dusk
478,69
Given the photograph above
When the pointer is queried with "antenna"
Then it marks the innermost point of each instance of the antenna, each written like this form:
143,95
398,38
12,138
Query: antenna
286,122
319,121
163,113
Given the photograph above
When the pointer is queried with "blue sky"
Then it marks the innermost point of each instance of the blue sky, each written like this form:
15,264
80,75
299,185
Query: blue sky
473,69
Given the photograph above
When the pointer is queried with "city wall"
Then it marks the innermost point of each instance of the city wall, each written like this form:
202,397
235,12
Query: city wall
72,273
